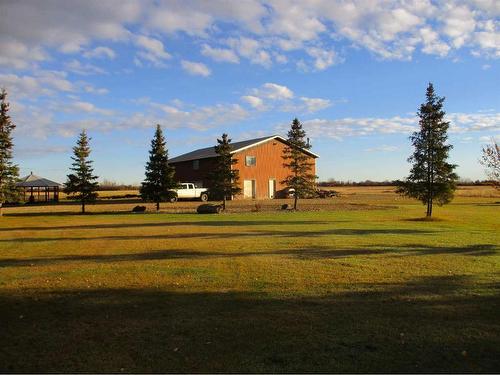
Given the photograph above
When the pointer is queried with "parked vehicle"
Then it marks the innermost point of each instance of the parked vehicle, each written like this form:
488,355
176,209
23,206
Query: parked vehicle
189,190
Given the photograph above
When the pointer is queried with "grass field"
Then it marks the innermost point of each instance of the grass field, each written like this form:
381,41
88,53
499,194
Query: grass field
352,284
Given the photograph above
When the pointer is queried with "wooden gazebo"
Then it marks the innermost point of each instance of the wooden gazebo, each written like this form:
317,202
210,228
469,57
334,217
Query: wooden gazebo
39,189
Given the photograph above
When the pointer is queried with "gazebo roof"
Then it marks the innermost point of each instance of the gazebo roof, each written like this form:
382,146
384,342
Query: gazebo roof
33,180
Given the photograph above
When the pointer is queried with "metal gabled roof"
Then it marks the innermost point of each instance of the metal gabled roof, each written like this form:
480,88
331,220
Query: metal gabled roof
33,180
209,152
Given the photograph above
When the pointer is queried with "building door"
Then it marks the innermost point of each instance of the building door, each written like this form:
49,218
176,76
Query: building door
249,189
272,188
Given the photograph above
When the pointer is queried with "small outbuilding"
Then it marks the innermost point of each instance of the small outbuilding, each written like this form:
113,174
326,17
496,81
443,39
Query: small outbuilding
39,189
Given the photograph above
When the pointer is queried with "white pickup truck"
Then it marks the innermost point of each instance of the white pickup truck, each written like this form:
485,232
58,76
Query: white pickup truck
188,190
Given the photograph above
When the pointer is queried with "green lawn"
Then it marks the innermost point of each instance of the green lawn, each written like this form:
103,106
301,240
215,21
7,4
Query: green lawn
344,290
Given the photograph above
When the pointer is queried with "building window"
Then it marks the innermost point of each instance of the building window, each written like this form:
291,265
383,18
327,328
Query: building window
196,165
250,161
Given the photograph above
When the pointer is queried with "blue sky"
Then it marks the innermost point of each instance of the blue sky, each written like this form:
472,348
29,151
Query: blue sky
354,72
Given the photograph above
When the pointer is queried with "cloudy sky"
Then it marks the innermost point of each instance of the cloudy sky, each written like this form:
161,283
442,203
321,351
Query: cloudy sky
354,72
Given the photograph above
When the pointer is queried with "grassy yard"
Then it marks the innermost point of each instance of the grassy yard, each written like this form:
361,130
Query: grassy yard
355,284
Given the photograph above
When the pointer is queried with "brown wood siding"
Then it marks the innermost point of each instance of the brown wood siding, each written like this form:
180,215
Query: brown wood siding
269,165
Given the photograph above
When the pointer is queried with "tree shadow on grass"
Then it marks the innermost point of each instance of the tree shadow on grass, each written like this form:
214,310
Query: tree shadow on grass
425,219
173,223
68,213
171,254
475,250
424,325
227,235
310,253
360,232
75,202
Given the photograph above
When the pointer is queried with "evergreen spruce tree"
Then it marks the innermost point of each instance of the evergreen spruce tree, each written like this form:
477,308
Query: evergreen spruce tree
82,185
432,178
301,178
9,172
159,181
224,180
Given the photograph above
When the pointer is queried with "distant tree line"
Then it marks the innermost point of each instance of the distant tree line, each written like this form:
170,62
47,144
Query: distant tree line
340,183
109,185
334,183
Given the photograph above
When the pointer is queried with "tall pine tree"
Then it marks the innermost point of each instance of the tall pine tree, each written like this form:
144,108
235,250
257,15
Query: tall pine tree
224,180
432,178
301,178
9,172
159,181
82,185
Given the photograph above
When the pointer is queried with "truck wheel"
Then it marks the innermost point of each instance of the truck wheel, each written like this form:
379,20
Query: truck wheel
204,197
173,199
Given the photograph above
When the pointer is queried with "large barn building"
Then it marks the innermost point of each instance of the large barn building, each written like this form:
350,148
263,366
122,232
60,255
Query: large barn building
260,165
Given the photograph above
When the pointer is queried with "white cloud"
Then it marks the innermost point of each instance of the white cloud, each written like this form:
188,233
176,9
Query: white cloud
19,55
263,33
323,58
56,80
171,18
22,86
94,90
199,18
341,128
77,67
100,52
273,91
85,107
459,23
254,101
45,85
44,82
262,58
220,54
466,122
296,21
432,45
199,118
25,115
315,104
383,148
461,123
27,29
252,49
397,21
488,39
152,50
280,58
37,151
195,68
272,96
